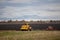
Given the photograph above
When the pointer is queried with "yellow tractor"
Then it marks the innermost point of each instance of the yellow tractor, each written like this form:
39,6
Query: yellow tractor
25,27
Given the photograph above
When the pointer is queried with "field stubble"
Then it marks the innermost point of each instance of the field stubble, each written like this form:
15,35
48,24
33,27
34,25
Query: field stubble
29,35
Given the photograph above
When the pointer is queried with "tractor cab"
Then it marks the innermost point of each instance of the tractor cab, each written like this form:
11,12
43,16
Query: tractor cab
25,27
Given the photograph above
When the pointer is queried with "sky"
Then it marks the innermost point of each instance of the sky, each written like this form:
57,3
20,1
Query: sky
30,9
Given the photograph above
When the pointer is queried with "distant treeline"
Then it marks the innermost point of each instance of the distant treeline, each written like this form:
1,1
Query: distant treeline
32,22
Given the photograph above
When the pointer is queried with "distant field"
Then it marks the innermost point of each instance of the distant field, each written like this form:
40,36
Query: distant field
29,35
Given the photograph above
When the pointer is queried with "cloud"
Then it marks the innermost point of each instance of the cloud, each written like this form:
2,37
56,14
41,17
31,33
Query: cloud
10,12
14,12
19,12
2,0
24,1
31,1
20,1
29,9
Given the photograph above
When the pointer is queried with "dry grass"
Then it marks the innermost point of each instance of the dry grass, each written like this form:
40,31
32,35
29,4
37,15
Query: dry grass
29,35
